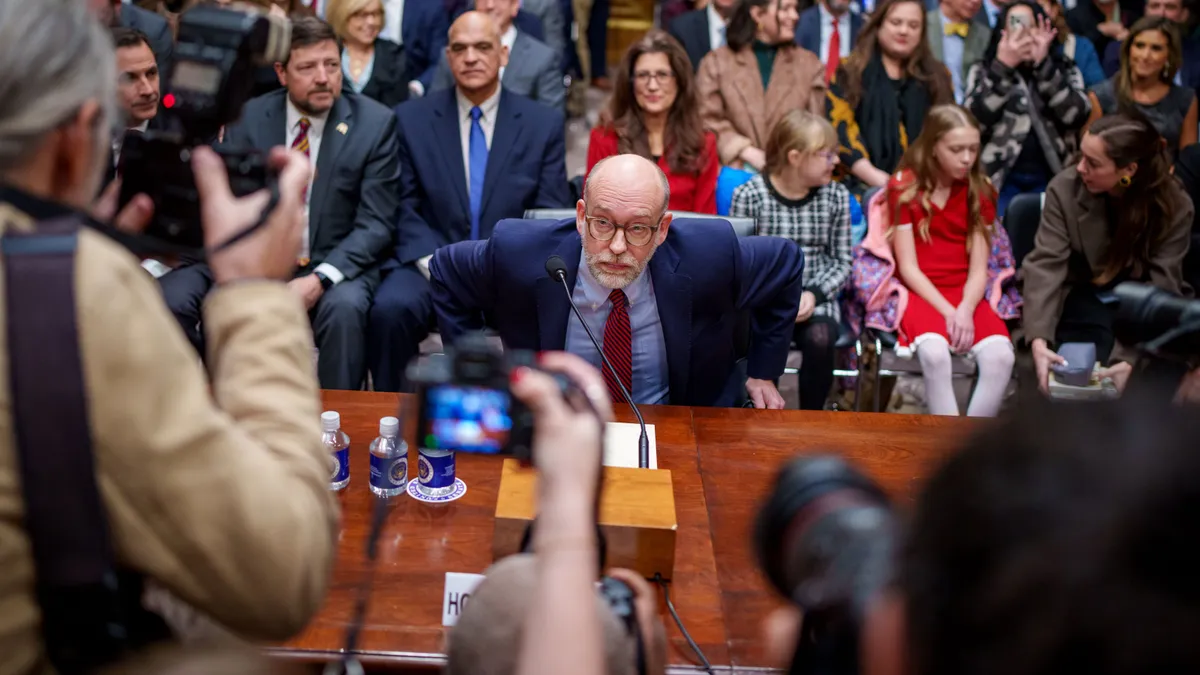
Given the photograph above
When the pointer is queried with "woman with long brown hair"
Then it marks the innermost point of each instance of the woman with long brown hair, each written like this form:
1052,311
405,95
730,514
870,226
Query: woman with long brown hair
1145,84
1118,215
759,76
943,211
881,92
653,112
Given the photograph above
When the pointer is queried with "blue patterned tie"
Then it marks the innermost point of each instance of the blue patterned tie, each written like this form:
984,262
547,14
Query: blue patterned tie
479,157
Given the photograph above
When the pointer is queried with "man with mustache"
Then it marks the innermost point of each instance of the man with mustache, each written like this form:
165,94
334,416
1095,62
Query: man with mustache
352,200
666,297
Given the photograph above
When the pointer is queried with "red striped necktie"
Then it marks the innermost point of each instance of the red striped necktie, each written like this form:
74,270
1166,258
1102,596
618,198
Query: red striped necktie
618,346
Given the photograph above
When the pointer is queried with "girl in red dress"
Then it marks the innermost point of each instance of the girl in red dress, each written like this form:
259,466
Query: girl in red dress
943,210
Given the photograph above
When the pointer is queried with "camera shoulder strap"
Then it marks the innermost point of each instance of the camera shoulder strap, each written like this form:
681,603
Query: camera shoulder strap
84,601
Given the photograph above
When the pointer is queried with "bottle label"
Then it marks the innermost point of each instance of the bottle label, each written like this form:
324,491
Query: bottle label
341,466
389,473
435,470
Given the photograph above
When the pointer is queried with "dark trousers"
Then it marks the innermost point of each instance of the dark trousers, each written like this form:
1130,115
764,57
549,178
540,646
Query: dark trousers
401,317
1087,318
1016,183
339,320
598,37
816,340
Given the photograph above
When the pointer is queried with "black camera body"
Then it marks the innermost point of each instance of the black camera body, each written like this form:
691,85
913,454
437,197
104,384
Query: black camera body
464,402
216,54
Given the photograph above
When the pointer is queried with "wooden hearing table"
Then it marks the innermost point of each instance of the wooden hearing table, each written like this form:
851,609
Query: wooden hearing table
722,462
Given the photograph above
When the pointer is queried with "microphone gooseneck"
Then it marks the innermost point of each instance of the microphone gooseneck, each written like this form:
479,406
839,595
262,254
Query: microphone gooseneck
557,269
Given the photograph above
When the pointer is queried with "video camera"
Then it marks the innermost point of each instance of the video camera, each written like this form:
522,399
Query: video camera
825,538
216,54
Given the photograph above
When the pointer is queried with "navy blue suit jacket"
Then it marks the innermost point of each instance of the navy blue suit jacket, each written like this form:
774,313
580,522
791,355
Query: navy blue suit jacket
424,29
526,170
808,30
704,277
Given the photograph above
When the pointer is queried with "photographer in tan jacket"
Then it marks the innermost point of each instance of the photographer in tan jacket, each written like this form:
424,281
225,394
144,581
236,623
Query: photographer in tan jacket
215,485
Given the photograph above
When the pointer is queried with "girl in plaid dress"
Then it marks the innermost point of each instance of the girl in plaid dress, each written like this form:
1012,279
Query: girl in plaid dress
794,197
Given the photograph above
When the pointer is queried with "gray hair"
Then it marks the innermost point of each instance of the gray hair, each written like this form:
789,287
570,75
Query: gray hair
54,57
662,179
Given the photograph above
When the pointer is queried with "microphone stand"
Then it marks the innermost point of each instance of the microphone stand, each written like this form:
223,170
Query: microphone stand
643,440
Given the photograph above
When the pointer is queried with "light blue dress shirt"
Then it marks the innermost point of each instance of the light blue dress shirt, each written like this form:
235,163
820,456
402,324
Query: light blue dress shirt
651,379
952,56
357,85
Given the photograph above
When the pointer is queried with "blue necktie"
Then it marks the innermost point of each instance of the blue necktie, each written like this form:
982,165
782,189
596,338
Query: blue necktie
478,156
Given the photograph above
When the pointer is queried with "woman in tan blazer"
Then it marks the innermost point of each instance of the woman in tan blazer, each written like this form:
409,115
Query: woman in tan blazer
1118,215
757,78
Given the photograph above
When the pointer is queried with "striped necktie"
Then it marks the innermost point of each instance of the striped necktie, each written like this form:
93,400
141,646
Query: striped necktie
618,345
301,142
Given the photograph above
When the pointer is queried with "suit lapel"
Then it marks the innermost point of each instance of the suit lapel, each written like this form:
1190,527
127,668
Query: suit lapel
505,136
934,33
339,123
274,127
673,295
1091,228
516,59
553,310
446,128
748,83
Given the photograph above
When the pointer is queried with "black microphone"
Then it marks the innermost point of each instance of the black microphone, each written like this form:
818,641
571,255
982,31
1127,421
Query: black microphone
557,269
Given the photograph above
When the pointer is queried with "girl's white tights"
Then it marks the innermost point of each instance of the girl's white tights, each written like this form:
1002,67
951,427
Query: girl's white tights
994,360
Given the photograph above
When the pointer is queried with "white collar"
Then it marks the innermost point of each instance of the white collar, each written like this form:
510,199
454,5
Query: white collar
509,37
714,19
316,122
141,127
827,16
488,107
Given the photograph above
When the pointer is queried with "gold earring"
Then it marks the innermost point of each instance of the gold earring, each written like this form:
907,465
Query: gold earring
1125,181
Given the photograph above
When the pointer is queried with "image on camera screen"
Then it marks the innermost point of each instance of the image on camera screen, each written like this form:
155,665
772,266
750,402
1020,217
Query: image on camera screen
467,419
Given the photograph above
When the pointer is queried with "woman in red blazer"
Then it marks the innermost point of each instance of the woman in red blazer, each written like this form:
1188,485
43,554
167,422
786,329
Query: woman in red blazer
654,112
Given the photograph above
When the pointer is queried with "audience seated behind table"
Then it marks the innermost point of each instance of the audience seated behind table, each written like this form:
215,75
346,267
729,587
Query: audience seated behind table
1024,80
1075,47
1118,215
1150,57
653,112
1189,71
459,176
755,79
944,217
353,203
958,36
1187,170
829,29
529,68
881,93
702,30
180,452
487,638
1102,21
795,197
667,296
372,66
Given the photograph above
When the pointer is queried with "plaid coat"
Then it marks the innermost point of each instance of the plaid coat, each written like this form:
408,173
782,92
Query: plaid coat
819,223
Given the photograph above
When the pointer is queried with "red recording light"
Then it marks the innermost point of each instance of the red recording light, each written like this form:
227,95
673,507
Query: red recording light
169,101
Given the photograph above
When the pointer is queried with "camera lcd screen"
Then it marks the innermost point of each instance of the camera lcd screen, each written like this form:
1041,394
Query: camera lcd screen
192,76
467,419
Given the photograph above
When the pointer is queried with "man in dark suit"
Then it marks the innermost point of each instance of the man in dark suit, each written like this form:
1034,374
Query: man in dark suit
702,30
666,297
470,156
138,89
353,200
532,68
829,29
154,27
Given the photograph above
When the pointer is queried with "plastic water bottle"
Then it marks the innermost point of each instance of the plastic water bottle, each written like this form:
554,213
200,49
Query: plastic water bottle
338,445
389,460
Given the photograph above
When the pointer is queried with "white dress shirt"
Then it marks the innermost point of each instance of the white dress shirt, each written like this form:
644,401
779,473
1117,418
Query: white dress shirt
316,130
716,28
845,36
487,120
507,40
393,21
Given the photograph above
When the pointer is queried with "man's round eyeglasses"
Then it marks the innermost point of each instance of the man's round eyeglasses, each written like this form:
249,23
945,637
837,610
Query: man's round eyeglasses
638,234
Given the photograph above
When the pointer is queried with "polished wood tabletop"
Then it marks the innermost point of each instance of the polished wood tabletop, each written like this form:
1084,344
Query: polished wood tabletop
721,461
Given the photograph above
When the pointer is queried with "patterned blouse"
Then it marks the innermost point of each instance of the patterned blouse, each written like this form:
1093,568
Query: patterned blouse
819,223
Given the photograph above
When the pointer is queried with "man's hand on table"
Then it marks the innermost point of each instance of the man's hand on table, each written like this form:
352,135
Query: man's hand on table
764,394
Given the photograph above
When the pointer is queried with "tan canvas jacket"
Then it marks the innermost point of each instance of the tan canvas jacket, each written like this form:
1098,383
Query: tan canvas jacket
220,495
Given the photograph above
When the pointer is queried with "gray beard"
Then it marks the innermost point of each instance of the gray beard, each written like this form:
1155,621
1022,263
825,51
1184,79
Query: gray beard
613,281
